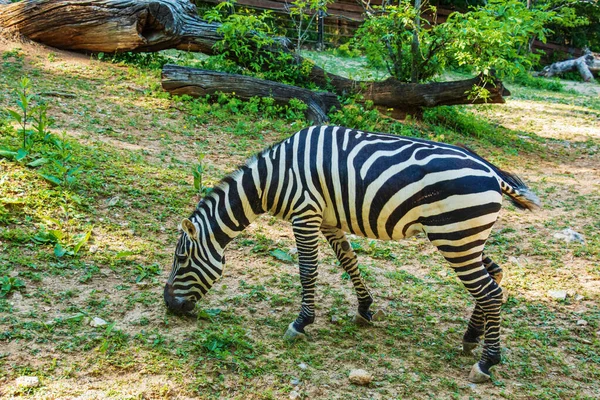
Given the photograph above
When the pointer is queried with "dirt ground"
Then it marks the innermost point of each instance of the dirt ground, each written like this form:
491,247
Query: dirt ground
412,354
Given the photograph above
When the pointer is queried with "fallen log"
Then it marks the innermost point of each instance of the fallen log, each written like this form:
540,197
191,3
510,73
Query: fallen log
583,65
151,25
199,83
403,97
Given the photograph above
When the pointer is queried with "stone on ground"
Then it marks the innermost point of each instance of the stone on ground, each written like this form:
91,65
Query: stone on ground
360,377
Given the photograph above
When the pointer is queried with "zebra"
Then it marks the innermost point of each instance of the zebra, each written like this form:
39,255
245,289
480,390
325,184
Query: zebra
337,180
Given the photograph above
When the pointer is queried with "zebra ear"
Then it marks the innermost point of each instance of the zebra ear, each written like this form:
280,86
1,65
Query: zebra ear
189,228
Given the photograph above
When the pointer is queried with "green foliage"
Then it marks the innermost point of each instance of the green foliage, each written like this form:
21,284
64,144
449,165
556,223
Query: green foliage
151,60
147,271
495,38
64,243
23,114
386,39
53,153
249,39
492,38
221,106
282,255
10,284
575,22
61,171
358,115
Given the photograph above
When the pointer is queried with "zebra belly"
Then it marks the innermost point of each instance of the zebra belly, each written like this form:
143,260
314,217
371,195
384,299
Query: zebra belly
394,221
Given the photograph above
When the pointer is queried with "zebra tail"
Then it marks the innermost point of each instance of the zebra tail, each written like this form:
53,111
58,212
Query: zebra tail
512,186
520,195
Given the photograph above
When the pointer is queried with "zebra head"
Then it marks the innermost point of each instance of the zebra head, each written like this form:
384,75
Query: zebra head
196,267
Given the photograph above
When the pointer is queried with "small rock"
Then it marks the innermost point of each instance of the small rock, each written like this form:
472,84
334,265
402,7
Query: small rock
378,316
472,386
557,294
28,381
162,229
294,381
598,333
293,250
582,322
569,235
334,319
13,274
93,249
579,297
360,377
97,322
16,296
294,395
302,366
113,201
585,341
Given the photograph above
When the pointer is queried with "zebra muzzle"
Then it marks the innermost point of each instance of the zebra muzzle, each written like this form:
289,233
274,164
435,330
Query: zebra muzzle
177,304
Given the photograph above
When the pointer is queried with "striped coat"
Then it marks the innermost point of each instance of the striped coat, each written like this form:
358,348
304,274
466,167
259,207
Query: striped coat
335,180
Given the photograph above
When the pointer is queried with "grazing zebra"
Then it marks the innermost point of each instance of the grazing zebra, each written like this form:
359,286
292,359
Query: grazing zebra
334,180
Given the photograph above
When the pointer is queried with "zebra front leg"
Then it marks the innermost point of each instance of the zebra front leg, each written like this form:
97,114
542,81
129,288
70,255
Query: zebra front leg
347,258
306,234
475,328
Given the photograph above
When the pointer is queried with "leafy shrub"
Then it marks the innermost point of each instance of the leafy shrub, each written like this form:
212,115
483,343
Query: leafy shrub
386,39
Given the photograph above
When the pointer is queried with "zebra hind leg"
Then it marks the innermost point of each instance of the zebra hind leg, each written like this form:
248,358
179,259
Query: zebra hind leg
306,233
488,296
347,258
475,328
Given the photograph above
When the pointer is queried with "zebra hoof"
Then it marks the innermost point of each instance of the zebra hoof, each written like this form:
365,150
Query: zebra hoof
468,347
477,375
378,316
292,334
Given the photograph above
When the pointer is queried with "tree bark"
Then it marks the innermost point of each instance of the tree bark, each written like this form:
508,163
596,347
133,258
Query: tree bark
151,25
198,83
584,65
400,96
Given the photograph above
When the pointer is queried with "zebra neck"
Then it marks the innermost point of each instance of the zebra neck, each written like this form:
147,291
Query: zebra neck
230,207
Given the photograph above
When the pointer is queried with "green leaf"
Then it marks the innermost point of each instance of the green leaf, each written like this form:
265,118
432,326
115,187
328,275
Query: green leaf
282,255
21,154
59,251
123,254
15,115
7,153
52,178
38,162
57,234
83,240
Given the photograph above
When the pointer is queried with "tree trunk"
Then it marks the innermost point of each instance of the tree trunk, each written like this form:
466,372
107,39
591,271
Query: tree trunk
583,65
198,83
151,25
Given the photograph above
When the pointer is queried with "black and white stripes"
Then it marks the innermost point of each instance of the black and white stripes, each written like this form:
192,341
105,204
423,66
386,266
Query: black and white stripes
334,180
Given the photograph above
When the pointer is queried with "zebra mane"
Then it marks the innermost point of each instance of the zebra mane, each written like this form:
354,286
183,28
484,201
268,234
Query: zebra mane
231,177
